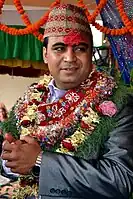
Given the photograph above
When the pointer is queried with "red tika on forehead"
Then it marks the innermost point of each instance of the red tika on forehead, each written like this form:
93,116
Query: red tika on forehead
74,38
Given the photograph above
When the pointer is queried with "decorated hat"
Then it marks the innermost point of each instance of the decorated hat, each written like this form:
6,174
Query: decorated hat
66,19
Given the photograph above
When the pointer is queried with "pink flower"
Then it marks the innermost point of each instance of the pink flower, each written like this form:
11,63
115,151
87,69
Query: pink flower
108,108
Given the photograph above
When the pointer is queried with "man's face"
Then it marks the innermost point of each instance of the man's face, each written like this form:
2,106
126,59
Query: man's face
68,64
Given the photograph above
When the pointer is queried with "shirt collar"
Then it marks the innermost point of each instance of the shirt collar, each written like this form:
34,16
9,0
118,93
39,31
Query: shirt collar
54,91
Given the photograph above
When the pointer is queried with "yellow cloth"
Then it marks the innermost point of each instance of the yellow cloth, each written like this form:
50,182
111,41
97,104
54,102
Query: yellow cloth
23,64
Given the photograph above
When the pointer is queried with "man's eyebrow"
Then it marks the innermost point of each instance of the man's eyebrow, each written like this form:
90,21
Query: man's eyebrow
58,44
82,43
74,45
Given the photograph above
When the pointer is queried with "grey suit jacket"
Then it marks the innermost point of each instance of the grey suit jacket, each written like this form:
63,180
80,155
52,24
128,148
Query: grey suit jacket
110,176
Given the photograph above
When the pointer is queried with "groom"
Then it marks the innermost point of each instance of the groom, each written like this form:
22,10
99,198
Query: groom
84,130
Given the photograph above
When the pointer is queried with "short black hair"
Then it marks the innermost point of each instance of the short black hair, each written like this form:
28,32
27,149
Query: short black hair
45,42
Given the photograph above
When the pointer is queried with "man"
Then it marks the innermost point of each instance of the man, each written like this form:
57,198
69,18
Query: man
72,119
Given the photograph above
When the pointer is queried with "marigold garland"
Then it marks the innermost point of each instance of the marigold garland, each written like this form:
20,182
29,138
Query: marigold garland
34,28
26,19
108,31
91,19
31,28
1,5
124,17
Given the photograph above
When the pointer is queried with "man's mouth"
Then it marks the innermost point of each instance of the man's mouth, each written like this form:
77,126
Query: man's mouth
69,69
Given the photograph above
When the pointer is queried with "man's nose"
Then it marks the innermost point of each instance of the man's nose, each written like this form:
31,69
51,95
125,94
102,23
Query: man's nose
69,55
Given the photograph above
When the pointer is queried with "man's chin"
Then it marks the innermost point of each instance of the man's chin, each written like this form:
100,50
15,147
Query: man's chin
69,81
69,84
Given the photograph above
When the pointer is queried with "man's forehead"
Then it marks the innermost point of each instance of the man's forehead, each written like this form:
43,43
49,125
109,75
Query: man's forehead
70,39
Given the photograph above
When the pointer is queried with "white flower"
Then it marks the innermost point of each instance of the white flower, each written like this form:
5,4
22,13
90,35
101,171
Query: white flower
25,118
45,80
31,111
90,117
35,96
72,97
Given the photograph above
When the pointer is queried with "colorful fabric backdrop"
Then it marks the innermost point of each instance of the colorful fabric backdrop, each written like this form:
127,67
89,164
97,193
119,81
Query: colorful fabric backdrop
122,46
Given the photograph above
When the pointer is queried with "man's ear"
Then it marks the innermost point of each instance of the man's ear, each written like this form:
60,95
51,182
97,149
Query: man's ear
45,55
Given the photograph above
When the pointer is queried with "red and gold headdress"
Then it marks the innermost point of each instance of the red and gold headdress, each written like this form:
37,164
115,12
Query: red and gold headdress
66,19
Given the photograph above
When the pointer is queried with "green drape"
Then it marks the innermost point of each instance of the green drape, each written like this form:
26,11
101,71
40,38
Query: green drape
26,47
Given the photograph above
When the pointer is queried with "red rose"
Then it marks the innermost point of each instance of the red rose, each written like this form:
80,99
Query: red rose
41,87
23,183
30,103
25,123
83,125
68,145
42,109
35,102
98,109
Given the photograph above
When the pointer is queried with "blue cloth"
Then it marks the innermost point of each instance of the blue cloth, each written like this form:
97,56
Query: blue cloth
122,46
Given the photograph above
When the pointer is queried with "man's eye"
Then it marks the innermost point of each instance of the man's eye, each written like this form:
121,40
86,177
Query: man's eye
80,49
59,49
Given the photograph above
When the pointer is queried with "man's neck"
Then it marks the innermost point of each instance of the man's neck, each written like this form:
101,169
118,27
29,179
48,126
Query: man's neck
54,92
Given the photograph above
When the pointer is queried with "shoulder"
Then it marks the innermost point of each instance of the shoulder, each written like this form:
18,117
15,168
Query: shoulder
122,95
130,100
124,117
127,107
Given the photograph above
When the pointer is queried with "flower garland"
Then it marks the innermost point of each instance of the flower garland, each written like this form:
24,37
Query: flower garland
91,19
60,122
85,126
126,21
1,6
25,18
99,7
34,28
108,31
30,29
